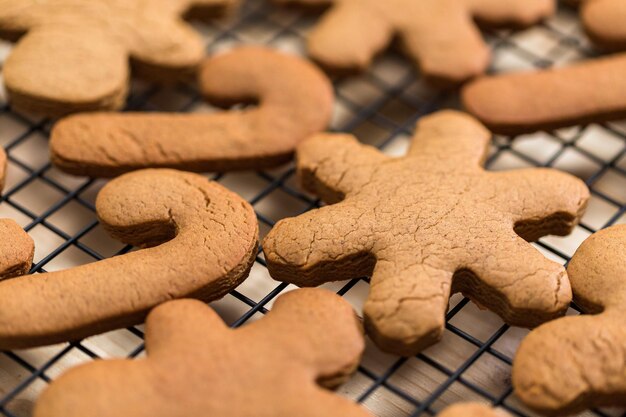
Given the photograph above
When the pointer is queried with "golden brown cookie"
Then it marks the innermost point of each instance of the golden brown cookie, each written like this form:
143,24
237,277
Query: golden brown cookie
587,92
604,22
295,100
575,363
440,36
16,250
197,367
200,240
3,168
73,55
472,410
426,225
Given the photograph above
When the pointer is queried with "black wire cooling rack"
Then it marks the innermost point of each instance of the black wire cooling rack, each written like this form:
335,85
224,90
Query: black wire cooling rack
473,361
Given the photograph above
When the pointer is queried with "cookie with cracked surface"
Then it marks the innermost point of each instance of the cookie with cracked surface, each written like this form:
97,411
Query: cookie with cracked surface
73,55
603,21
295,100
426,225
468,409
274,367
3,168
575,363
16,250
178,218
529,101
440,36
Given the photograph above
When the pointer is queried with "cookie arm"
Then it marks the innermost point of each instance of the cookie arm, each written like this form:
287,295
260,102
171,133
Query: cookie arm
509,276
405,310
320,246
167,48
333,165
348,36
516,13
541,201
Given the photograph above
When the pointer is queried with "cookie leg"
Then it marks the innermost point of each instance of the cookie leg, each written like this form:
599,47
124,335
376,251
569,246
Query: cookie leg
405,311
516,281
349,36
541,201
324,245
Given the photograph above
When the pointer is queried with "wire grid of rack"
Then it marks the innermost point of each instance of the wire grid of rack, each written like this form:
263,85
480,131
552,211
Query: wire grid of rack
472,362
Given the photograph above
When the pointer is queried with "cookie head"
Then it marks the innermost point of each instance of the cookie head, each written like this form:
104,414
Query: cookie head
440,36
603,21
177,217
426,225
294,100
274,367
73,55
575,363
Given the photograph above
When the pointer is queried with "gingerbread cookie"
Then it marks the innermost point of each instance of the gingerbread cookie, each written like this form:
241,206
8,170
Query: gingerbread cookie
604,22
472,410
74,54
574,363
587,92
197,367
440,36
200,240
16,250
3,168
425,226
295,99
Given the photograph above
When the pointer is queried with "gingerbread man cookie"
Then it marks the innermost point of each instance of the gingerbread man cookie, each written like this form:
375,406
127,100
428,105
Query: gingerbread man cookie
587,92
3,168
197,367
575,363
295,100
440,36
425,226
16,250
604,22
200,241
472,410
73,55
